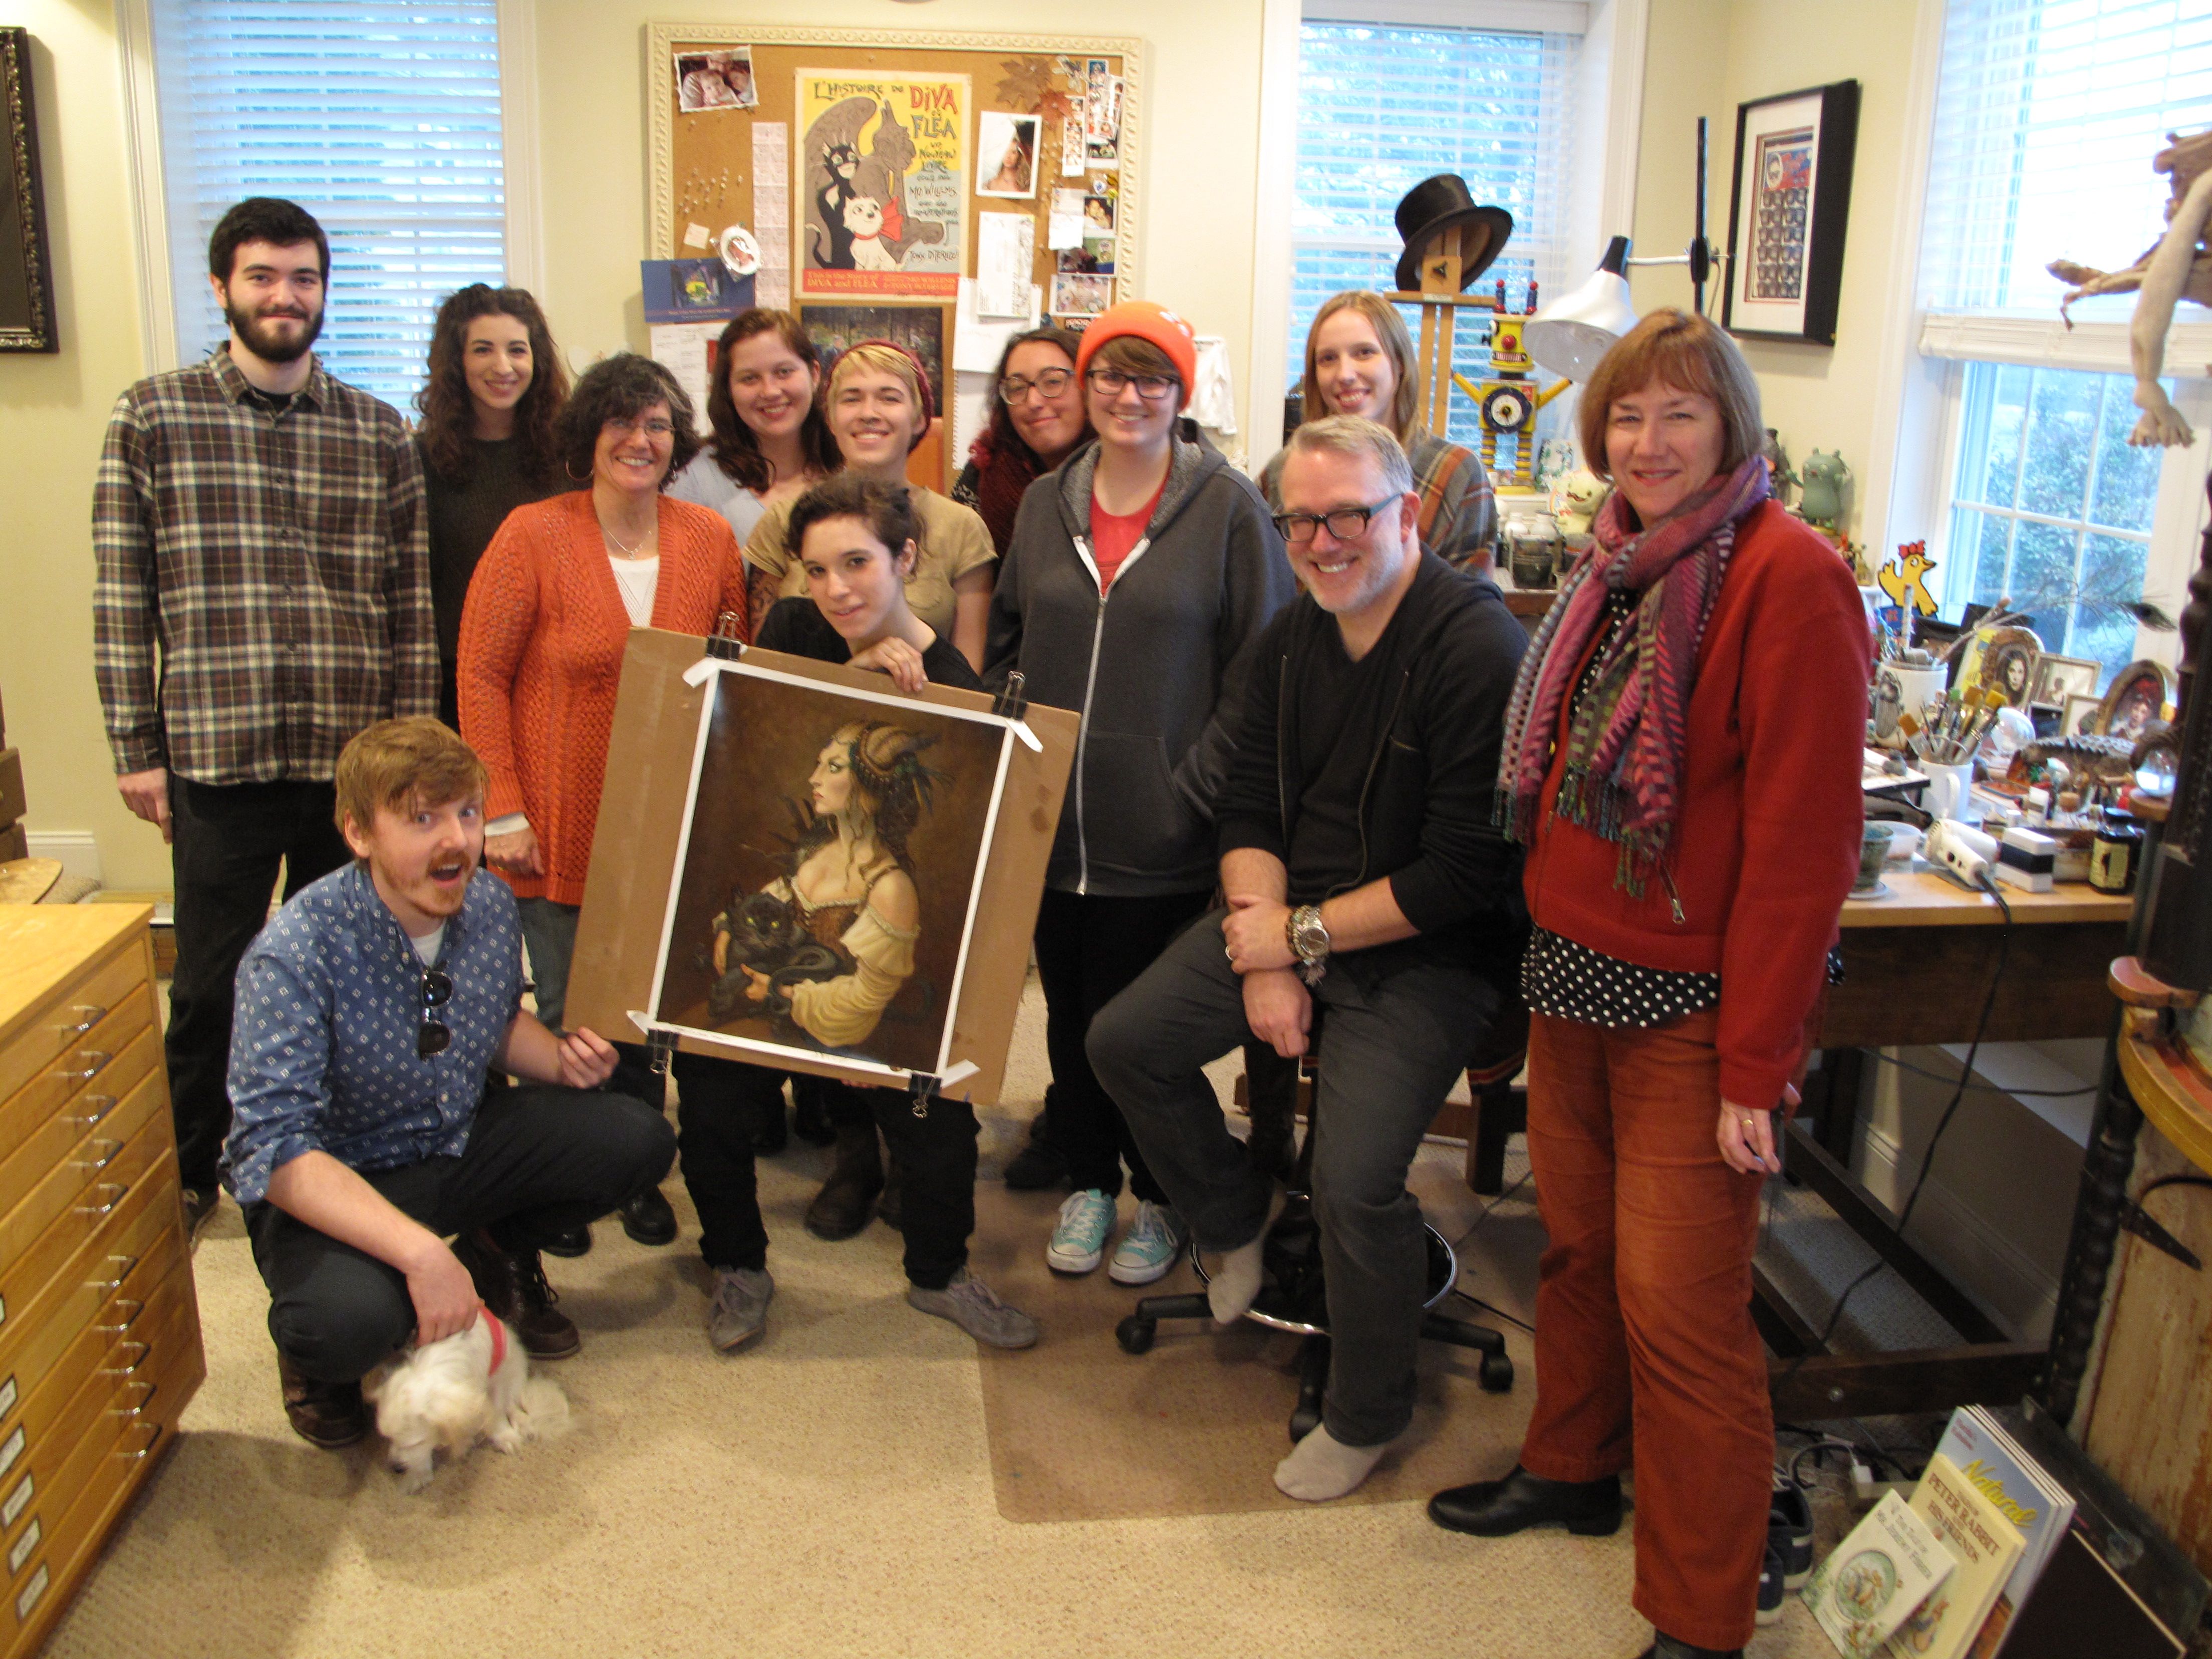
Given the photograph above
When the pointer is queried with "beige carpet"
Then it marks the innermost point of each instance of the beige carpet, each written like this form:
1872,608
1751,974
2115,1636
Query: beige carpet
832,1492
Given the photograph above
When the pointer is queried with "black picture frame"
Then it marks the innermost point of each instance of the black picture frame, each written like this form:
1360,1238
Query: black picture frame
27,282
1786,272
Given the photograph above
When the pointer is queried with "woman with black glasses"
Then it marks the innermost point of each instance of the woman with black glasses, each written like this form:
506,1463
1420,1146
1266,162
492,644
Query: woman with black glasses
1137,573
1037,421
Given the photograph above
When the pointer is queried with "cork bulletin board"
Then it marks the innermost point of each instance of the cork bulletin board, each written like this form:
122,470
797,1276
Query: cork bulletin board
858,170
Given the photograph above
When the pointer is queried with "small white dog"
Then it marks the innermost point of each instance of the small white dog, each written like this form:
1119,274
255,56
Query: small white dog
447,1394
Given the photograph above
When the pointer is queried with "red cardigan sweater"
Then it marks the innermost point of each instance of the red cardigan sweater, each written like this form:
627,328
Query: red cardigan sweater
1768,841
542,640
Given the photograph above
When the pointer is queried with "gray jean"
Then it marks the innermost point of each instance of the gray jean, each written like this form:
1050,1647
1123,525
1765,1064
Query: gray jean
1392,1043
548,934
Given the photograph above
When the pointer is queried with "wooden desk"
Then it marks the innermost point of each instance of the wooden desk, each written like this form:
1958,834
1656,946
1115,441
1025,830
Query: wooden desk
1917,967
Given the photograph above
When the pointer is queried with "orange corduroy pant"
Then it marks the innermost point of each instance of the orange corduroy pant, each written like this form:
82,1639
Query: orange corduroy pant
1645,1350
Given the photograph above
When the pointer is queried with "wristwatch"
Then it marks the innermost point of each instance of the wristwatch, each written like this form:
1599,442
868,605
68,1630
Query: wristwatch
1308,941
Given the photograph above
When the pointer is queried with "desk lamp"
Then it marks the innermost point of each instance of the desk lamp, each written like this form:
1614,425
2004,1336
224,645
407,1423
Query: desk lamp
1569,335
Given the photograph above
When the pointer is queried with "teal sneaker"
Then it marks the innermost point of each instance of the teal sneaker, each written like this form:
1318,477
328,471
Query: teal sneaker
1150,1246
1079,1243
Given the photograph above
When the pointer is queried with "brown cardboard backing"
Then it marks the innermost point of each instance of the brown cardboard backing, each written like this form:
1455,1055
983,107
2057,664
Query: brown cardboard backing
641,823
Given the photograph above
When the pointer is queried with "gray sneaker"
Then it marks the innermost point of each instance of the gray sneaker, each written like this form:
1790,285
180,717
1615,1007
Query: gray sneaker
975,1308
738,1311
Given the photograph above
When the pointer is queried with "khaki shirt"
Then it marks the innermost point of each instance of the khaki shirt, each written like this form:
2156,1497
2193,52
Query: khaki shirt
949,541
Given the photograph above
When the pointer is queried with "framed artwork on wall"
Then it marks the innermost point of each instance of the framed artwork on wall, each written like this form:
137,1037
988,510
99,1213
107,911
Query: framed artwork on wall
1787,213
27,283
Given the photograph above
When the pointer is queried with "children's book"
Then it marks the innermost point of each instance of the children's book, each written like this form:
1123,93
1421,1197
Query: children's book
1874,1580
2026,1494
1985,1546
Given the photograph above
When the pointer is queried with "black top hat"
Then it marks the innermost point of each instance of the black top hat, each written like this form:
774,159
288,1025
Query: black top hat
1435,205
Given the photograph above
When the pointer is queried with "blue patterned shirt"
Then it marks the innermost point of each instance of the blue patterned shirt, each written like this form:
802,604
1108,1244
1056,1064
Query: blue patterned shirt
330,1003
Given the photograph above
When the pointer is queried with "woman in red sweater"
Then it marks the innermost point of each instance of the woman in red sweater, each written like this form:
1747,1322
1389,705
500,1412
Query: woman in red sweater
548,618
1681,761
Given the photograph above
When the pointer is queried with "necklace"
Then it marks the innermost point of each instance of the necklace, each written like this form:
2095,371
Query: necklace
628,552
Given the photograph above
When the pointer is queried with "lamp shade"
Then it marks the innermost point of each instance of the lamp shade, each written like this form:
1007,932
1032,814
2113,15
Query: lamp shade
1569,335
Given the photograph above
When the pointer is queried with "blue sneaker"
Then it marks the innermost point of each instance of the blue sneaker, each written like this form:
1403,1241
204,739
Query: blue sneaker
1150,1246
1079,1243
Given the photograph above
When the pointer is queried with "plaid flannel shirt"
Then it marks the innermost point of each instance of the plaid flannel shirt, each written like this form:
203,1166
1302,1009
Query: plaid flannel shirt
279,563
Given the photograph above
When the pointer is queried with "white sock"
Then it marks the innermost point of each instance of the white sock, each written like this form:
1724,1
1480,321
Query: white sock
1320,1467
1232,1288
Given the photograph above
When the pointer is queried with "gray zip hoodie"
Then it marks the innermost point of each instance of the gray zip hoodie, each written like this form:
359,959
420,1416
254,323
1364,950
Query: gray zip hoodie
1146,665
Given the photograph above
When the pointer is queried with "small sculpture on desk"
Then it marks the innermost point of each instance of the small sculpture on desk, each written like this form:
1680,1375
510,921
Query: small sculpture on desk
1903,579
1781,480
1825,480
1575,501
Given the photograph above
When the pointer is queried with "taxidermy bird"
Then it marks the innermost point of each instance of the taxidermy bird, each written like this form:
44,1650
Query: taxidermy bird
2179,268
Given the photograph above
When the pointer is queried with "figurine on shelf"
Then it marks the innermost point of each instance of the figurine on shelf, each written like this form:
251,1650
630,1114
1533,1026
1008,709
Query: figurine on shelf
1904,578
1824,479
1576,500
1780,479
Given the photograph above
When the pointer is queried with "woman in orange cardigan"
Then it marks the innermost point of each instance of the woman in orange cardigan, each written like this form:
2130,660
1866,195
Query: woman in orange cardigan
549,615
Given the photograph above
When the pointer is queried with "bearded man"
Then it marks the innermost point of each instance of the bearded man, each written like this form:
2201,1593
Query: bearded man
263,594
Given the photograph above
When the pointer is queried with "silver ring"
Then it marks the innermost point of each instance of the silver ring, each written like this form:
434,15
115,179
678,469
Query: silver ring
1229,951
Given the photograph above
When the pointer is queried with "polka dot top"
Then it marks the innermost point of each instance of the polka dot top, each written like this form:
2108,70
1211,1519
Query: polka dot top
1569,980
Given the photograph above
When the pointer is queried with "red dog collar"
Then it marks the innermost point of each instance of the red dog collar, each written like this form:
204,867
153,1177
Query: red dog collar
498,1337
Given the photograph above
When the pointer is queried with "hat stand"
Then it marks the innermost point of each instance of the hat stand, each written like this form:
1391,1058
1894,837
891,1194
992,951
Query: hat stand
1439,299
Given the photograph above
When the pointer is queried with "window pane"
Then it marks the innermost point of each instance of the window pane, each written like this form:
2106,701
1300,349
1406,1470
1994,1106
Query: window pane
2127,478
2062,432
2043,579
1984,540
1995,477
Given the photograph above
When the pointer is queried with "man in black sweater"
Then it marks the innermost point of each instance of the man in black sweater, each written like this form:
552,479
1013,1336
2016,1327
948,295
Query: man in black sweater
1365,880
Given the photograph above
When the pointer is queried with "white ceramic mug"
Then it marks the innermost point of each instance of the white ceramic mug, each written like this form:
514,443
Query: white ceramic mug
1949,789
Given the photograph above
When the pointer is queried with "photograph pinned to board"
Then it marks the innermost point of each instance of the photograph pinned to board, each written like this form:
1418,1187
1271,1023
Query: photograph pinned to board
1064,225
1071,148
1101,114
881,174
1102,205
920,329
1006,155
1091,257
719,80
1076,294
1787,217
1006,254
691,290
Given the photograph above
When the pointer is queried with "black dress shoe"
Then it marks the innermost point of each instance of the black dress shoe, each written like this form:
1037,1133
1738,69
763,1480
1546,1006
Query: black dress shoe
576,1242
810,1110
847,1199
324,1414
200,1205
1496,1508
647,1218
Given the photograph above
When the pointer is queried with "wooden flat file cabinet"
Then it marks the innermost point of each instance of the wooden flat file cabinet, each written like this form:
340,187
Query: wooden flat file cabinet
99,1331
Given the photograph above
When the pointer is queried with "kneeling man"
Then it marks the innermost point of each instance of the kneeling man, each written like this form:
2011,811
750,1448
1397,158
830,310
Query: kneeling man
370,1010
1366,882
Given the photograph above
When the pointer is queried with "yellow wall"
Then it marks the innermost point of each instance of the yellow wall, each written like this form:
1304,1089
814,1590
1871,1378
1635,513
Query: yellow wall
1201,114
53,412
1705,58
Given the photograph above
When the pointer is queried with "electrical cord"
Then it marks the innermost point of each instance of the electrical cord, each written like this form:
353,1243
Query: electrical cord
1986,1088
1469,1295
1942,1123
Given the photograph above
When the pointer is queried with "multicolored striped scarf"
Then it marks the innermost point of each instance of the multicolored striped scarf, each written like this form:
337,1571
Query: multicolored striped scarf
1626,733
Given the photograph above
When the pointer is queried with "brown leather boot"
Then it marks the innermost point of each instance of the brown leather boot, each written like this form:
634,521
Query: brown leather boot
512,1286
847,1199
325,1415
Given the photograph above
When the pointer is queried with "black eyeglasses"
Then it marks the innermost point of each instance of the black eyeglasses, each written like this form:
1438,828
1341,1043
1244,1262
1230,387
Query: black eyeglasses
435,1035
1150,387
1346,523
1052,383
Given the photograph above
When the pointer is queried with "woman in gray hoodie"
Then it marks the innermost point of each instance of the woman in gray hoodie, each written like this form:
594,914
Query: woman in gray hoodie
1137,574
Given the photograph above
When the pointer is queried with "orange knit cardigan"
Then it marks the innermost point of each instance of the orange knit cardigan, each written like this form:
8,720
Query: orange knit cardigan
542,640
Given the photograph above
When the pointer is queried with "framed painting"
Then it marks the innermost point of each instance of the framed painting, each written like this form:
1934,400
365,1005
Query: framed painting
1787,213
797,865
27,282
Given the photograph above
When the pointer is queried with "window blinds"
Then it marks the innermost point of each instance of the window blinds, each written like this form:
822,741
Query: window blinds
1380,109
381,118
2047,117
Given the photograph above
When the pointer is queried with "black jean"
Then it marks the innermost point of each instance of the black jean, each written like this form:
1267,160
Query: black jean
226,842
718,1100
1089,950
1394,1041
540,1160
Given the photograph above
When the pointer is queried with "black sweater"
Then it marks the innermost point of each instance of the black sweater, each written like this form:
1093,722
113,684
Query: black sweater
1427,732
798,626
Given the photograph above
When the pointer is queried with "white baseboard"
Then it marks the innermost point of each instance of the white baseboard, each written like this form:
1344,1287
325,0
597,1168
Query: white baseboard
77,849
1978,1258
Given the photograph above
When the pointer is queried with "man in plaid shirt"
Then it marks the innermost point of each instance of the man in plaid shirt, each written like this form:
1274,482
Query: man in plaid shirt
263,594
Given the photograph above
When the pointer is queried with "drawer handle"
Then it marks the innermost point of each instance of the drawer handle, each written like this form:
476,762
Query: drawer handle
137,1307
114,1148
144,1349
153,1439
94,1059
105,1103
119,1187
88,1014
134,1412
129,1262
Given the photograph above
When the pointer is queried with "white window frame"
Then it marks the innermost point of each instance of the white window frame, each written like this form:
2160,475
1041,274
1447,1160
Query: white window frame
1600,197
1920,384
149,212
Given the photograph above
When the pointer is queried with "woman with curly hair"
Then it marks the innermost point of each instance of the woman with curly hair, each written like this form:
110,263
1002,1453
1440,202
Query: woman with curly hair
543,635
1037,421
494,390
851,891
770,440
